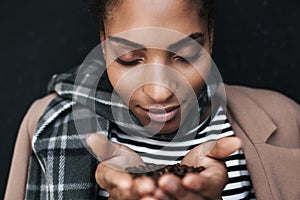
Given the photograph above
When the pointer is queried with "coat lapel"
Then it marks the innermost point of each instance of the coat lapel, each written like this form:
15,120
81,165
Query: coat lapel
240,108
255,122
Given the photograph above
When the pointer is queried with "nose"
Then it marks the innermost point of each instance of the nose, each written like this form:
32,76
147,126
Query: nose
158,93
162,83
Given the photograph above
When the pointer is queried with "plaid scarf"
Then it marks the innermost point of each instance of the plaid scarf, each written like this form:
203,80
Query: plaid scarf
61,166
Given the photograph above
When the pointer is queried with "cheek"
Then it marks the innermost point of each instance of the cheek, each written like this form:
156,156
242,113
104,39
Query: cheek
196,82
196,78
202,74
123,83
115,75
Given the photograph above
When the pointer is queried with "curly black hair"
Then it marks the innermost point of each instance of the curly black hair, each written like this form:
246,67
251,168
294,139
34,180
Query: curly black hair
101,8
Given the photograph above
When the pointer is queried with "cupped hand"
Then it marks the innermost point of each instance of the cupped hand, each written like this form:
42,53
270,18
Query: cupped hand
110,174
209,183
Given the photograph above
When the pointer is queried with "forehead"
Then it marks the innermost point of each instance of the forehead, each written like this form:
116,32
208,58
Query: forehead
157,38
178,15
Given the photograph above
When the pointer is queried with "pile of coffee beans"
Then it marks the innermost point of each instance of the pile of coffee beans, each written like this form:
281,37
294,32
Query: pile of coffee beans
155,171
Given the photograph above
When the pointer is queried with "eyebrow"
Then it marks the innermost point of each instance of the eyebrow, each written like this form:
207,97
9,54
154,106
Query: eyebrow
182,42
176,45
126,42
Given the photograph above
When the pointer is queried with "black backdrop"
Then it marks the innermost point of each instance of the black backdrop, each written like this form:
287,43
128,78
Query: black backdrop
256,44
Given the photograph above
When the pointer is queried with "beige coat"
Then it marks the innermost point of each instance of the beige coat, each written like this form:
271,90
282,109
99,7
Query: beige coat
267,122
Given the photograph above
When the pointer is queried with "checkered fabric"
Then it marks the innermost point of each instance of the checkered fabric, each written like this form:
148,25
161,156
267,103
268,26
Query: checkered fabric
61,167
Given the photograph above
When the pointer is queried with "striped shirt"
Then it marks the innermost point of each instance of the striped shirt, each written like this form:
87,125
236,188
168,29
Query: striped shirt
169,152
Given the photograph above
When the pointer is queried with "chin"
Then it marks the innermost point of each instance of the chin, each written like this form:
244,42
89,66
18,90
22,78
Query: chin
167,128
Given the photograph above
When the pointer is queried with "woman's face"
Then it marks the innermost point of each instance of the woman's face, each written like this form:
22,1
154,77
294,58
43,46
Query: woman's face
144,68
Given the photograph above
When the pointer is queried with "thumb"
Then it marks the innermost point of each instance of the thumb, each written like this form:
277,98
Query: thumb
225,147
114,154
100,146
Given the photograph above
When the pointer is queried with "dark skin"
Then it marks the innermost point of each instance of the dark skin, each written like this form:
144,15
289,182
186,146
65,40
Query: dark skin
208,184
183,18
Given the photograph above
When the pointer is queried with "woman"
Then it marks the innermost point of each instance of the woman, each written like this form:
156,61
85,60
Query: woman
60,166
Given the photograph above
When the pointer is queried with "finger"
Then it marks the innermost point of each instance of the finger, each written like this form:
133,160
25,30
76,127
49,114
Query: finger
172,186
101,146
219,149
193,182
225,147
108,178
208,184
144,185
159,194
117,194
125,157
204,186
116,154
148,198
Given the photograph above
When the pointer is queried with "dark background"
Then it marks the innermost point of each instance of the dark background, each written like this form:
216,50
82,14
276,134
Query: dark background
256,44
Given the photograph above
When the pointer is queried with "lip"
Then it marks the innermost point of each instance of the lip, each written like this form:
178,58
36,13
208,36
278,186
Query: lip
161,115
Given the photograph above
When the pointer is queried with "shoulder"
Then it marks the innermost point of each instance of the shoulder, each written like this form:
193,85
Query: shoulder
268,100
283,112
43,102
36,110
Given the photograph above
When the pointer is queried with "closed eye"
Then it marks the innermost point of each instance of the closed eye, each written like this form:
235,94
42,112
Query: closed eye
189,59
130,63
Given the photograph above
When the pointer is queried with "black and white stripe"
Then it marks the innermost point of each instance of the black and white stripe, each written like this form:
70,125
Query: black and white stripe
166,152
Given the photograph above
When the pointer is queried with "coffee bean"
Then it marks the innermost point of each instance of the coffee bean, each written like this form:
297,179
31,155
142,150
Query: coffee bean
156,171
